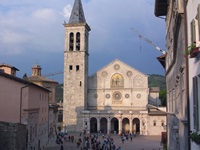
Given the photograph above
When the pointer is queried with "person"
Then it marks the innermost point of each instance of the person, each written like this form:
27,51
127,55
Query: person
61,147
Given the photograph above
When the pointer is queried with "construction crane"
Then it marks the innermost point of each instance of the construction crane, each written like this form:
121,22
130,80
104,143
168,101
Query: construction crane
150,42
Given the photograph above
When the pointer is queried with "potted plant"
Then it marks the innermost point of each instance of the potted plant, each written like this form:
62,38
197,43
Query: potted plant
192,50
195,137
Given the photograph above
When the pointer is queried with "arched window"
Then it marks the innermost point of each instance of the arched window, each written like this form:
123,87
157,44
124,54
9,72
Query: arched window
117,80
162,123
154,123
78,36
71,41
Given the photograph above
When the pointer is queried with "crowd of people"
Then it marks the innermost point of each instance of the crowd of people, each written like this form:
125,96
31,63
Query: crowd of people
93,142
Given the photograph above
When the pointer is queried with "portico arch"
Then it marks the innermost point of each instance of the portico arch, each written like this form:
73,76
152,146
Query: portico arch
103,125
114,125
93,125
125,125
136,126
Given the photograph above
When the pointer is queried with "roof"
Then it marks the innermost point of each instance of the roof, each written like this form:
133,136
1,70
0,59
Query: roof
77,14
161,59
153,110
40,79
36,66
154,89
161,8
9,66
21,80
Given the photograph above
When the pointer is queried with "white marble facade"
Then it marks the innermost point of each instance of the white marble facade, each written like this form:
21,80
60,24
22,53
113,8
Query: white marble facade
118,102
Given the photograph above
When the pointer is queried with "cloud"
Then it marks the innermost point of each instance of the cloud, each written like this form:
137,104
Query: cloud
30,27
67,11
9,37
22,29
45,15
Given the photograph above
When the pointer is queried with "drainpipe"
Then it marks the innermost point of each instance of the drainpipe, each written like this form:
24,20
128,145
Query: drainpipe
187,71
20,113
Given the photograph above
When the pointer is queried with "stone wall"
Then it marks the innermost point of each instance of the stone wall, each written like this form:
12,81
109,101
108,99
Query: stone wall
12,136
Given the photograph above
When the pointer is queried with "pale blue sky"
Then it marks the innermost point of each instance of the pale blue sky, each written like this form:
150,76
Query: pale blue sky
32,32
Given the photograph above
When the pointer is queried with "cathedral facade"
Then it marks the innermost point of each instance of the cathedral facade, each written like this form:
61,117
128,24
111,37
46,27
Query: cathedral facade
115,99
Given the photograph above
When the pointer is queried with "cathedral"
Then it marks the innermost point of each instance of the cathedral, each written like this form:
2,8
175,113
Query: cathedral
115,99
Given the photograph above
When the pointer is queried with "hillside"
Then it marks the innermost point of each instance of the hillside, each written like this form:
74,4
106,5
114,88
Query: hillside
155,80
59,93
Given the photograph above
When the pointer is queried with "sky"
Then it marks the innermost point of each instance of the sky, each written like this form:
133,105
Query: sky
32,32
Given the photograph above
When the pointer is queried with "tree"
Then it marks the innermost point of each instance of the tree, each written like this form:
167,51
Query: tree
162,96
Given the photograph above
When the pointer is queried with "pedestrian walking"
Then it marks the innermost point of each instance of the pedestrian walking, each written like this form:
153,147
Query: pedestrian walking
61,147
131,138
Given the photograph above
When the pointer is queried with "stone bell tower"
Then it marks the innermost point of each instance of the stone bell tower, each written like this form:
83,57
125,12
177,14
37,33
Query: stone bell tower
75,69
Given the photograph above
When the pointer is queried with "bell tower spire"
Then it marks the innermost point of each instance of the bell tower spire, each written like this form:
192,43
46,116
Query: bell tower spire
77,14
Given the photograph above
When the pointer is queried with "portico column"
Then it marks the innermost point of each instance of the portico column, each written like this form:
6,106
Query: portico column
120,125
98,124
108,126
131,125
88,126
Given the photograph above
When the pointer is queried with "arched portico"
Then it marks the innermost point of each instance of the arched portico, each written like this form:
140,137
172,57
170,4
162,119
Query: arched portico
114,125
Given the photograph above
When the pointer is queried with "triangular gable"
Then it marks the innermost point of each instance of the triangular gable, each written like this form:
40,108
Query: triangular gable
119,62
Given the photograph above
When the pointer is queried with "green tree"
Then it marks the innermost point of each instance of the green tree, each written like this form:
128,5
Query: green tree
162,96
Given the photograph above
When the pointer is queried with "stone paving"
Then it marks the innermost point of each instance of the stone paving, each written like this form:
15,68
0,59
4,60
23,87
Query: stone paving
138,143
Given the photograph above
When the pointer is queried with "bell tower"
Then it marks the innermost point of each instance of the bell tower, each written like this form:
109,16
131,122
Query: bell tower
75,69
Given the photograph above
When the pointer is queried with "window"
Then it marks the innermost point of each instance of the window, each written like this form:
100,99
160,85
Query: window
162,123
198,18
71,41
80,83
195,103
78,41
77,67
70,67
193,31
154,123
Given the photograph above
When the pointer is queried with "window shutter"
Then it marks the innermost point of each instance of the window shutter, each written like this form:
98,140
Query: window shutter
195,103
193,31
198,18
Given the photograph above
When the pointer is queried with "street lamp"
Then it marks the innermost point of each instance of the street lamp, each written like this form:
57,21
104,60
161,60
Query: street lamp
120,112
